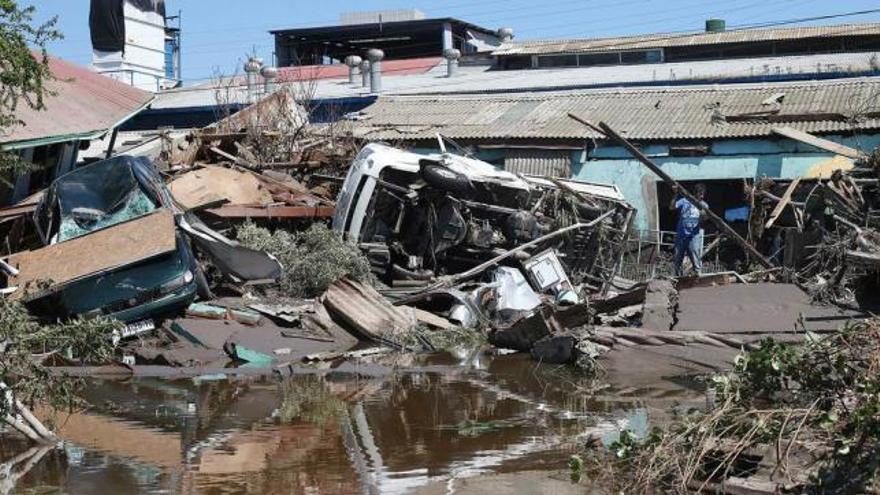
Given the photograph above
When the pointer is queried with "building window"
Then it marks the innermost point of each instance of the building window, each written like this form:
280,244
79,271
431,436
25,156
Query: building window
557,61
641,57
598,59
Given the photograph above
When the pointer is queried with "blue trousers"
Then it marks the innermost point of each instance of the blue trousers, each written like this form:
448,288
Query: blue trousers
692,247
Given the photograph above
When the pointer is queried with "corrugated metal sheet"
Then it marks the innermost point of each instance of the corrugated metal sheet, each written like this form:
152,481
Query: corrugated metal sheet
479,79
552,163
645,114
669,40
84,103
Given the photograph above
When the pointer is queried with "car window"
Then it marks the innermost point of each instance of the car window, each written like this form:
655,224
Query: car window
80,221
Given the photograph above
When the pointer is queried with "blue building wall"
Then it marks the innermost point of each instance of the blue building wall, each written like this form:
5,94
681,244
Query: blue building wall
728,159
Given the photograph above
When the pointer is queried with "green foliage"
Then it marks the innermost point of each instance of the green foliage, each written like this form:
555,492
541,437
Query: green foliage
86,341
576,467
23,74
822,397
312,259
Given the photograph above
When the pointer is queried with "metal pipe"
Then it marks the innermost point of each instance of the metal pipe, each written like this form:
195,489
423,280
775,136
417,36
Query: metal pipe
365,73
452,55
375,56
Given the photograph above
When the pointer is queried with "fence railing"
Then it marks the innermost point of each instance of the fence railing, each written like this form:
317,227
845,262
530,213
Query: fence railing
650,253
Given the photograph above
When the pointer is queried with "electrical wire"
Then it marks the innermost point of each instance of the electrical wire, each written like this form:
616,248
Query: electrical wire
619,41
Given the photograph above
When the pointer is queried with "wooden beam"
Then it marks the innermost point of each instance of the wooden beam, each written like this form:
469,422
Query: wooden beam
822,144
780,206
280,211
718,221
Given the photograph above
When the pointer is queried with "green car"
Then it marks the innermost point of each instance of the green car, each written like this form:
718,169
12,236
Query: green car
99,196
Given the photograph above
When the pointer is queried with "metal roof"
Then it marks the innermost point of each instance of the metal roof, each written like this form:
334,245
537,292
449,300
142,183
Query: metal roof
428,76
330,81
84,105
668,40
729,111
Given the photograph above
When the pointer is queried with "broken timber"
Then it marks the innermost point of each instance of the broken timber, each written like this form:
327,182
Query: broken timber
780,206
720,223
822,144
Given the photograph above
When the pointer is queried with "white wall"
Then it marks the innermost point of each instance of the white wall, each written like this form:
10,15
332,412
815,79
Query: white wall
143,63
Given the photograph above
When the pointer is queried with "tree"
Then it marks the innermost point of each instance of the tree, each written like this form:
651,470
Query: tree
24,72
24,67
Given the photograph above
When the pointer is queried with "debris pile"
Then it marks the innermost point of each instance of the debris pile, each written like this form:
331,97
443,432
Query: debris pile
824,231
264,162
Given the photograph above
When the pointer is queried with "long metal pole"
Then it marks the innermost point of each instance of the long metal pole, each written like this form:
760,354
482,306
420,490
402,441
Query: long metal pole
718,221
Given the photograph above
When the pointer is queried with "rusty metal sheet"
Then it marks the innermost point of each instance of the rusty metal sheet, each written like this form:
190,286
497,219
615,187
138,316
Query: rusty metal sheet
81,102
113,247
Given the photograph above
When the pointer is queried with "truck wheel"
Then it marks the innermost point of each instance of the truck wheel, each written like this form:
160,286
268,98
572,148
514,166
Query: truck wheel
444,179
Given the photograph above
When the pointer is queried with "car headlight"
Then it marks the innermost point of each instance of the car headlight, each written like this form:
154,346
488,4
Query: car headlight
178,282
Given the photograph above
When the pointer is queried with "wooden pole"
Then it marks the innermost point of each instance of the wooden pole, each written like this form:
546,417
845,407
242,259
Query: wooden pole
718,221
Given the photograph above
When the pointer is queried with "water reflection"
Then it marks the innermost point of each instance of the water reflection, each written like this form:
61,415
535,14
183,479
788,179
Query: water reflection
444,417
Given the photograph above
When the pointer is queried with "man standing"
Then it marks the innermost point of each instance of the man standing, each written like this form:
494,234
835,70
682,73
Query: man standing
689,233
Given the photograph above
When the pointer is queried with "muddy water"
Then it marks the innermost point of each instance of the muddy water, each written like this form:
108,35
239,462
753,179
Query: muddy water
442,420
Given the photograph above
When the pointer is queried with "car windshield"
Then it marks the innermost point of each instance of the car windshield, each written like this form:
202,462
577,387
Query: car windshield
98,196
82,220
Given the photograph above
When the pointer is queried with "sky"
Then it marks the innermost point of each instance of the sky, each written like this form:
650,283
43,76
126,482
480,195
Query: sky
218,34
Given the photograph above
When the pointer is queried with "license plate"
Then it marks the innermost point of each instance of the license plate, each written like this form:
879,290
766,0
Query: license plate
137,328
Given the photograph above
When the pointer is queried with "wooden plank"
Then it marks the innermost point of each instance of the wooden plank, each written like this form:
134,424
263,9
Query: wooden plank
104,250
244,211
822,144
212,183
780,206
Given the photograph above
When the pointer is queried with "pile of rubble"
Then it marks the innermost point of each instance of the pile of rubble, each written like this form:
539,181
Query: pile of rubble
824,231
453,250
206,258
264,162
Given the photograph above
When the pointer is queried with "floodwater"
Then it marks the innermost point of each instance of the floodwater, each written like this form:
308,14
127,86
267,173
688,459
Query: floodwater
431,423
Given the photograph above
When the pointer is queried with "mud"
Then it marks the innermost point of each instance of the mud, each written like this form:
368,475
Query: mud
752,308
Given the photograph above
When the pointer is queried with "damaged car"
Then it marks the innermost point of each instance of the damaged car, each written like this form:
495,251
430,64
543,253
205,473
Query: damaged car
418,217
111,247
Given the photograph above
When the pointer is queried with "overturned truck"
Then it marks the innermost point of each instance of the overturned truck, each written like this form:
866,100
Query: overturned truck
420,217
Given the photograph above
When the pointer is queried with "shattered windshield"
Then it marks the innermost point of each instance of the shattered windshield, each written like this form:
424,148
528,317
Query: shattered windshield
82,221
99,196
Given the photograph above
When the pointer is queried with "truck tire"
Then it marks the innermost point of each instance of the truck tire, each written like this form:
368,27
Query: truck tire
445,179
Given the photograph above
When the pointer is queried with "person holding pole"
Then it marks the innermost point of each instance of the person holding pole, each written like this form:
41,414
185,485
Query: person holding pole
689,232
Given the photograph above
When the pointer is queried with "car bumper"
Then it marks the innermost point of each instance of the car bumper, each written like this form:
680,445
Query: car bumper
167,305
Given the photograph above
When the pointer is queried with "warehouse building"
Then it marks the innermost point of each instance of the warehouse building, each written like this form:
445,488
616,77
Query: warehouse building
718,134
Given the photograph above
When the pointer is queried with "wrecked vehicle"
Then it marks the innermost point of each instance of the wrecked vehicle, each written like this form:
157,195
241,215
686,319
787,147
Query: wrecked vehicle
418,217
111,247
